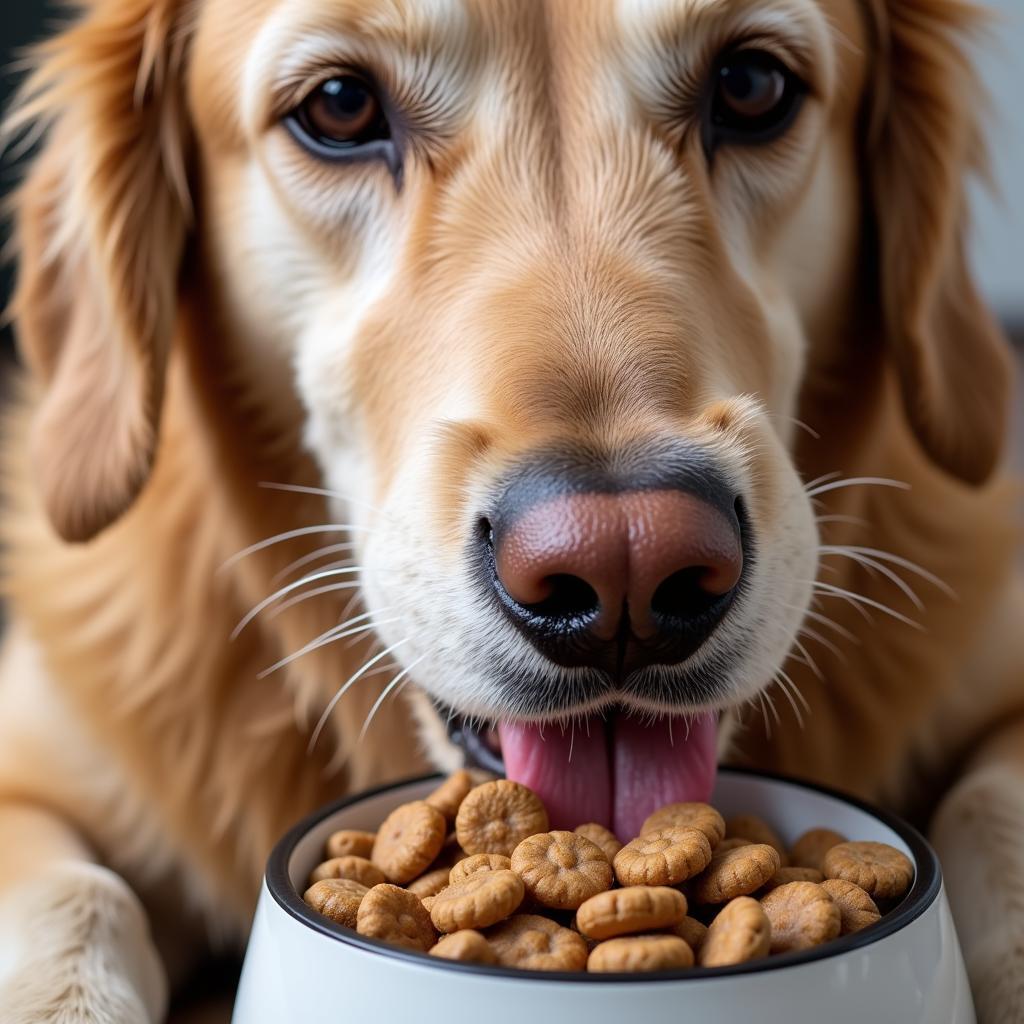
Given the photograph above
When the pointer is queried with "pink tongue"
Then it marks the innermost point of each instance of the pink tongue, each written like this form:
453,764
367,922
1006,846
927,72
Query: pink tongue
614,773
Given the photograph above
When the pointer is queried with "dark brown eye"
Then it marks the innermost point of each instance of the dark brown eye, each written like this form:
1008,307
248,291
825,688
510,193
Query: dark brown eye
341,115
755,98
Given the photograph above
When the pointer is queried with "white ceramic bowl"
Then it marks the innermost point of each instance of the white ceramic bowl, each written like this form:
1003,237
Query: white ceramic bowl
301,967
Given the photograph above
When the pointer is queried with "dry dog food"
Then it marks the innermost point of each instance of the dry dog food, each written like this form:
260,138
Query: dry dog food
561,870
741,932
472,873
665,857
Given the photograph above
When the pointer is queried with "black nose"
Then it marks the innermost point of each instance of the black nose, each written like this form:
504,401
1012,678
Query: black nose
595,572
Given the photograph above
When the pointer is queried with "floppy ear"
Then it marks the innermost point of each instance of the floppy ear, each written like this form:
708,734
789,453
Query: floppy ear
923,141
101,225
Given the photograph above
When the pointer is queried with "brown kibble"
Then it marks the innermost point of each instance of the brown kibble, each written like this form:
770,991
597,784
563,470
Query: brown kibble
450,855
497,816
408,841
810,849
882,871
602,837
786,875
692,931
740,933
688,815
535,943
638,908
856,908
350,843
395,915
731,844
561,869
757,830
479,862
468,946
641,953
448,797
478,901
337,899
487,882
429,884
359,869
802,915
665,856
737,872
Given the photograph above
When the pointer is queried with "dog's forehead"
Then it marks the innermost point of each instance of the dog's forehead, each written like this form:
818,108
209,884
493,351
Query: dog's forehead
601,35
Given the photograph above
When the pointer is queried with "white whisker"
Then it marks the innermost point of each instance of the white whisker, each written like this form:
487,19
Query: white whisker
764,714
796,691
808,660
329,549
306,595
828,623
874,565
280,538
824,641
776,681
348,605
818,480
903,563
322,492
837,518
384,695
828,590
858,481
352,680
267,601
806,427
329,637
848,595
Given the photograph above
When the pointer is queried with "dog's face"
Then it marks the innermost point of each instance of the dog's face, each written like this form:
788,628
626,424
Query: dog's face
548,278
519,251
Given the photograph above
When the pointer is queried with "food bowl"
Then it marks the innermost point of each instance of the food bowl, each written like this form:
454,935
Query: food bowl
301,967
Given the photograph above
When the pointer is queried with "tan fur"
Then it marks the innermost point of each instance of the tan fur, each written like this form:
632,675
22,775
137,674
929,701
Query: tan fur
202,309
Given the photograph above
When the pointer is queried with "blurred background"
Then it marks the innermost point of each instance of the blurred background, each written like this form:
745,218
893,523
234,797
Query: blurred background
999,215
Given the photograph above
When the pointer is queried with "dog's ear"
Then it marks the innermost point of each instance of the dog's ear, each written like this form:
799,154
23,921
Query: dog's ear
101,226
923,140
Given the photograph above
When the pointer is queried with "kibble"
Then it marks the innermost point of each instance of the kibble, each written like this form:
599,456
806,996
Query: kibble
502,889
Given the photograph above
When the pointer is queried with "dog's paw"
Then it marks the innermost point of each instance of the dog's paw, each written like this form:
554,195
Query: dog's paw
82,953
996,970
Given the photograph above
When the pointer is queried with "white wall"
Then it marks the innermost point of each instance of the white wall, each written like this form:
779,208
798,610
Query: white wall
999,218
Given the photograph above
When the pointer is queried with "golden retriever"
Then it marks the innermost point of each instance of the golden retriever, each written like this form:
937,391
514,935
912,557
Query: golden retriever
615,363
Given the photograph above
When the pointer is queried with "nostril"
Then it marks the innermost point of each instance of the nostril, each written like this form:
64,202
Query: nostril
569,597
683,595
485,530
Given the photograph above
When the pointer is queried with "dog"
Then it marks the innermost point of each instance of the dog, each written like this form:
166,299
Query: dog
403,370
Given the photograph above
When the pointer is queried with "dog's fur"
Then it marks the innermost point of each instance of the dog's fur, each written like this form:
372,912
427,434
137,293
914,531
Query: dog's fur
202,309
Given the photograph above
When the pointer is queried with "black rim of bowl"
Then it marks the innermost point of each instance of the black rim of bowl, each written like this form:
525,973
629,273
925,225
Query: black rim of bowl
923,892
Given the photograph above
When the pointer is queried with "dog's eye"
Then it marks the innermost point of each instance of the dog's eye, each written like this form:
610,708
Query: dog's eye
341,115
755,98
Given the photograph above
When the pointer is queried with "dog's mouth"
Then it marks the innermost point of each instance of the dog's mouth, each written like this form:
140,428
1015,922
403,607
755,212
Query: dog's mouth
615,767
